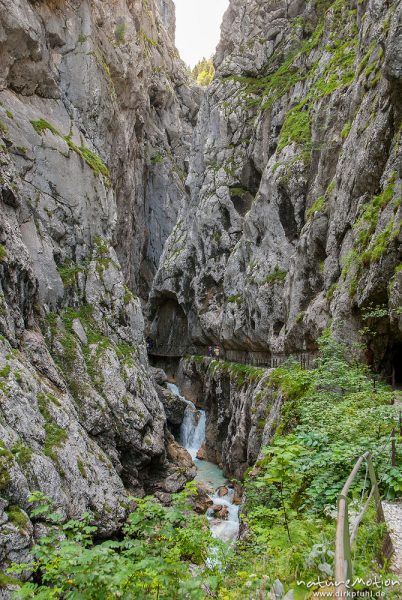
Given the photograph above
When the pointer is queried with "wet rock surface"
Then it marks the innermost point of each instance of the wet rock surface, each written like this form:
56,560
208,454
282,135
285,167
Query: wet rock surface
220,512
202,501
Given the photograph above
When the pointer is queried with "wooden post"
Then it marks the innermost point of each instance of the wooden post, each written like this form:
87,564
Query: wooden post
393,448
387,547
343,555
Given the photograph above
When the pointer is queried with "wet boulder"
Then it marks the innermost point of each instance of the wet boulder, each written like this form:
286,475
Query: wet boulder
222,491
220,511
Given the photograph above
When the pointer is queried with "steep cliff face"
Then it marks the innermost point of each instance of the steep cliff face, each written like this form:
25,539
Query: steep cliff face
96,117
294,218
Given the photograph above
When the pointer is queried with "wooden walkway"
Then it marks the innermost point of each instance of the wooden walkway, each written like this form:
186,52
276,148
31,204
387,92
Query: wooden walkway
265,359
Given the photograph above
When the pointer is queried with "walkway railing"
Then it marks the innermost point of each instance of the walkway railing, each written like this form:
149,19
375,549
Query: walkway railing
307,360
345,538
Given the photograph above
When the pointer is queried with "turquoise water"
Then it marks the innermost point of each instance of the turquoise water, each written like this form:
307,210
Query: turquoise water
209,473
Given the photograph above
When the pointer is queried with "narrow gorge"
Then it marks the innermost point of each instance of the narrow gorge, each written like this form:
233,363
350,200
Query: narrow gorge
166,248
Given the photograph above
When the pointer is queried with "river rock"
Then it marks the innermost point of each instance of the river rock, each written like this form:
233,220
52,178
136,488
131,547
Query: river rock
201,454
202,500
222,491
220,512
179,455
159,376
238,494
174,405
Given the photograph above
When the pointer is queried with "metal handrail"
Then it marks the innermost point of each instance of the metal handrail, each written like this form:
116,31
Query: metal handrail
344,539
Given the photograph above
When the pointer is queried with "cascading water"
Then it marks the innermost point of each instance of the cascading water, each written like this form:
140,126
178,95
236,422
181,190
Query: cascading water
192,436
192,432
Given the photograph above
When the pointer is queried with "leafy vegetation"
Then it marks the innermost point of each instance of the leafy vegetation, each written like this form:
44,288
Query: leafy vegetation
69,271
157,158
370,243
296,128
235,299
17,517
55,435
41,125
22,454
204,72
239,372
5,371
316,207
276,276
162,553
120,33
330,417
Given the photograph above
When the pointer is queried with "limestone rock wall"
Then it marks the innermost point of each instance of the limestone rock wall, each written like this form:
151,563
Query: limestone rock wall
96,118
294,218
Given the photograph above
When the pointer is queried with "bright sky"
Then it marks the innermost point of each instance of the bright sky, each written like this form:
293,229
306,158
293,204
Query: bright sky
198,25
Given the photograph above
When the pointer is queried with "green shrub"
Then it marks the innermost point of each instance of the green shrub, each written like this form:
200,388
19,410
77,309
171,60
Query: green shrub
92,159
157,158
235,299
55,438
316,207
276,276
5,464
331,416
22,454
5,372
17,517
296,128
69,271
346,130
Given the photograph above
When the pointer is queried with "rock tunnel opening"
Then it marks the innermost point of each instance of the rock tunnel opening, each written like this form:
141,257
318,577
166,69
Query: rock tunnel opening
169,330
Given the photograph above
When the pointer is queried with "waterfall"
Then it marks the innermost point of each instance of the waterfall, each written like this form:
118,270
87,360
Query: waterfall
192,432
192,436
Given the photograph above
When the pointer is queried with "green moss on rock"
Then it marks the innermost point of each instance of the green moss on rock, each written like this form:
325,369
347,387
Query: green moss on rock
22,454
277,276
3,253
17,517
